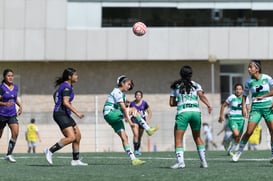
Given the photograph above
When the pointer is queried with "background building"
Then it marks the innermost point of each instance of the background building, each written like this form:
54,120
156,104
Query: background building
39,38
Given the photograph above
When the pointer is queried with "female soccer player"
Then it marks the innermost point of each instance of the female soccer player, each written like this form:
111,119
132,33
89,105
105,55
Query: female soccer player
63,97
258,85
184,95
227,134
145,111
115,110
208,136
8,112
236,120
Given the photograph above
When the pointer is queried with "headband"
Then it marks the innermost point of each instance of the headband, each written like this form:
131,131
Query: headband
257,65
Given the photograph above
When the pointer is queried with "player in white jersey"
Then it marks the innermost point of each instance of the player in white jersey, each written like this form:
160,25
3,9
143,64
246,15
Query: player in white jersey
258,85
115,109
227,134
184,96
235,119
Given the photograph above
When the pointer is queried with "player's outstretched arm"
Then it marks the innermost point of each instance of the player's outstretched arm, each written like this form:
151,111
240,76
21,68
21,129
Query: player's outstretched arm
204,99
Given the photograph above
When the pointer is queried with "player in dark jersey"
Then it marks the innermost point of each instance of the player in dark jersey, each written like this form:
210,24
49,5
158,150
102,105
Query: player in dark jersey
63,97
144,110
8,112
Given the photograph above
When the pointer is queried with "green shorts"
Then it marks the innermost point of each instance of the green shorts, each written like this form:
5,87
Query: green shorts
183,119
238,124
115,120
257,114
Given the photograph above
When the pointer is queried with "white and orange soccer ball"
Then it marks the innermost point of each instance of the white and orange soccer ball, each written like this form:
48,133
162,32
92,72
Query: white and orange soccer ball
139,29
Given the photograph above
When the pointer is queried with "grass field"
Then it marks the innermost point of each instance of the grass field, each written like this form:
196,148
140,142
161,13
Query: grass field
253,165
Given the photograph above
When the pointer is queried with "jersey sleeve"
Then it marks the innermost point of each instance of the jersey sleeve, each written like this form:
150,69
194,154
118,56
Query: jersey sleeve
1,91
118,97
270,81
173,93
66,92
146,106
246,88
198,87
228,100
131,104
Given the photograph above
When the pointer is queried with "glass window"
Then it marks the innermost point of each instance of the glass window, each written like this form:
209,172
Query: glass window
160,17
229,76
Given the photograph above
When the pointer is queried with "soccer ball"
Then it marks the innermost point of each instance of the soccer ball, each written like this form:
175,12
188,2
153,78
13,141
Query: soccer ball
139,29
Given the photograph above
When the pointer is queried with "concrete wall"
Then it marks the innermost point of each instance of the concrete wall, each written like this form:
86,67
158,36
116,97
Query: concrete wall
100,77
38,30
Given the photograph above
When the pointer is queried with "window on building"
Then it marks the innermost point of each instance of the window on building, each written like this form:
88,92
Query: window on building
174,17
229,76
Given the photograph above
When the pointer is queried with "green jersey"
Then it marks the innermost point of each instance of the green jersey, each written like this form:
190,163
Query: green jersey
113,100
258,88
187,102
235,105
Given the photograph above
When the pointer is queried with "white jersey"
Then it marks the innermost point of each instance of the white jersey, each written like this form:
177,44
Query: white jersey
187,102
208,132
113,100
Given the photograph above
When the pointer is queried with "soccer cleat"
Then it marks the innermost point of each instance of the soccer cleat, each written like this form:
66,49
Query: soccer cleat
137,161
137,152
236,156
178,165
152,130
78,163
48,155
230,153
10,159
203,164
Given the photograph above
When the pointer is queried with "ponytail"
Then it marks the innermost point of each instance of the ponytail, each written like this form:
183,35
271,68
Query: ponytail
67,72
185,81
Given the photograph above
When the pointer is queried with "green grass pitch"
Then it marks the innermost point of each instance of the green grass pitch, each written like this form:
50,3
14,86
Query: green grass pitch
253,165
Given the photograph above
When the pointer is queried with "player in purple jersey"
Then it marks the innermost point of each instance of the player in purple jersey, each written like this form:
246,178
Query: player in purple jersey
144,110
8,112
63,97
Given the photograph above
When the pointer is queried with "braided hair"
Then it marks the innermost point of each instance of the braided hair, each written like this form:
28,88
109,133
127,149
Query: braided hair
185,81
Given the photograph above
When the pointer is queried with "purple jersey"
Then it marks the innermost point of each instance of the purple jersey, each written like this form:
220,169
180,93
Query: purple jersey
8,95
141,108
64,90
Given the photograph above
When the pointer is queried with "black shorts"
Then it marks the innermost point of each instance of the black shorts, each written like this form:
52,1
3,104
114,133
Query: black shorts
63,120
7,120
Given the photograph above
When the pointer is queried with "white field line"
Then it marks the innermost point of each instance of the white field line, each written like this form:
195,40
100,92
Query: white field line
144,158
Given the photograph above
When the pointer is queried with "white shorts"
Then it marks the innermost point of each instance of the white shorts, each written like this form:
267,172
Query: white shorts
32,144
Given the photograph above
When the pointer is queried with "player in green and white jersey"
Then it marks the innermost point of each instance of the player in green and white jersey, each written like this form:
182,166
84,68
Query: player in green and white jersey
235,119
116,108
258,85
184,96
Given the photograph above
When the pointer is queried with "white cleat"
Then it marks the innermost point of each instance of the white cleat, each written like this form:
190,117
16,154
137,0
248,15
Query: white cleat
204,164
48,155
10,159
78,163
178,165
236,156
